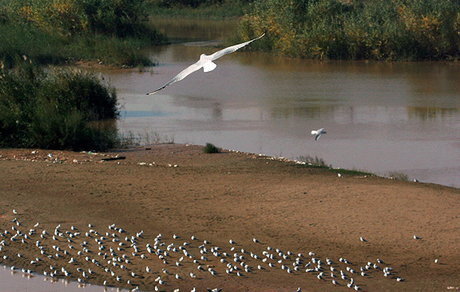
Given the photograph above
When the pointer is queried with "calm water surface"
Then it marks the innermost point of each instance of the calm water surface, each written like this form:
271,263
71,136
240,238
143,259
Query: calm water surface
15,281
380,117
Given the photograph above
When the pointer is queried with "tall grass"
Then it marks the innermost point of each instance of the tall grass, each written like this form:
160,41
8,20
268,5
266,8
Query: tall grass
43,48
358,29
121,18
58,31
57,109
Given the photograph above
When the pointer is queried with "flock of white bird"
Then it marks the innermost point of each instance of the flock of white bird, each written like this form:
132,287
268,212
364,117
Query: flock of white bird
114,257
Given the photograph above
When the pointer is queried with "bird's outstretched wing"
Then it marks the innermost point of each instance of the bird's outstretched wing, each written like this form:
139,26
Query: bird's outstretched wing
184,73
232,49
196,66
317,137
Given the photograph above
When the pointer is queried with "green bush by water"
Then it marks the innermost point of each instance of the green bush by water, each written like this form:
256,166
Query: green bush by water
121,18
59,31
209,9
210,148
59,109
356,29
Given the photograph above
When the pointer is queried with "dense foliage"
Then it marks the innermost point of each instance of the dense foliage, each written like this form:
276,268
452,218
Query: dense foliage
356,29
190,3
120,18
198,3
55,110
51,31
209,9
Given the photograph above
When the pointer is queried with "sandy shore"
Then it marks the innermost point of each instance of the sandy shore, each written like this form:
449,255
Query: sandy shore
218,197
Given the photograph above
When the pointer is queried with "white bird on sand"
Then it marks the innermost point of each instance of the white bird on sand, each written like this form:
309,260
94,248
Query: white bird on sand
318,133
204,62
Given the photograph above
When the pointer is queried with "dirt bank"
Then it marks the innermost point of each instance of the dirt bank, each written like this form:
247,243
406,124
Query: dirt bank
218,197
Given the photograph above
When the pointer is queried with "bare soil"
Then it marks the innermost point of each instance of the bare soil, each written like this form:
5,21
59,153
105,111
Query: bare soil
178,189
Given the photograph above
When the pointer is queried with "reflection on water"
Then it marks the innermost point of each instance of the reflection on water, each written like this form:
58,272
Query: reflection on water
124,114
430,113
380,117
16,281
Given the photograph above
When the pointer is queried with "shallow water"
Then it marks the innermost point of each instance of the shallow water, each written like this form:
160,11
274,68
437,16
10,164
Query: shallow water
16,281
380,117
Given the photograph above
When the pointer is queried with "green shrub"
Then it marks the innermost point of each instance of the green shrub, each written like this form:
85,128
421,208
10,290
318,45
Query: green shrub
45,48
209,9
121,18
58,31
107,50
359,29
58,109
190,3
210,148
21,40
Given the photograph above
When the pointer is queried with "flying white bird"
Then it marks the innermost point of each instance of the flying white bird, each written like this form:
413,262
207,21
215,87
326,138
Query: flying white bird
205,62
318,133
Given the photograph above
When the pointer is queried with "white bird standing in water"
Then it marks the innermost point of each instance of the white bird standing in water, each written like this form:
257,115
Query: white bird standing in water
318,133
205,62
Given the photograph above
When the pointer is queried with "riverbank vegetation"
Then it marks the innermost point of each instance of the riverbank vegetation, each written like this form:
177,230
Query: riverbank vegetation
55,109
209,9
60,108
65,31
356,29
210,148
